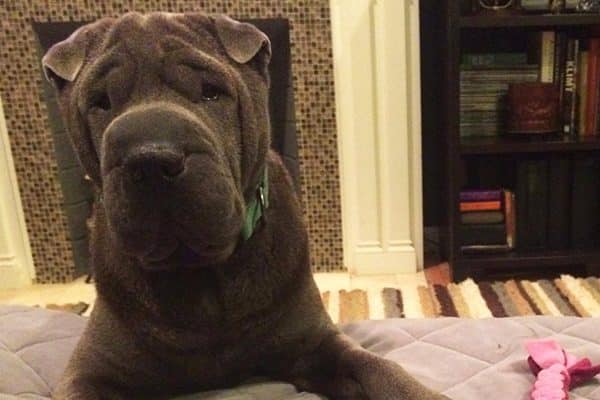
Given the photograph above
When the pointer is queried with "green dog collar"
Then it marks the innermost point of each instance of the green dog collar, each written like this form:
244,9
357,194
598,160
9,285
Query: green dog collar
255,209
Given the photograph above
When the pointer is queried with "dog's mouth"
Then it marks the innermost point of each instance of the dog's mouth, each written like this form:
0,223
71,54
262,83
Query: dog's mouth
177,254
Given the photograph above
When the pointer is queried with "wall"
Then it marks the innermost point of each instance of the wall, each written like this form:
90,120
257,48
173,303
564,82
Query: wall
20,87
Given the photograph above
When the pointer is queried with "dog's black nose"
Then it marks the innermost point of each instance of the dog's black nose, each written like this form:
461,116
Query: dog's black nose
154,161
150,143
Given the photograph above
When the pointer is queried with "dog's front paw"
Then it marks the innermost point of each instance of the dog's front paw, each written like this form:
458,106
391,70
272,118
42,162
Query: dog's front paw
357,374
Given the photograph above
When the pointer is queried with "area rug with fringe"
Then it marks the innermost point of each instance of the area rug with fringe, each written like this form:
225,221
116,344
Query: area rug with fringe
564,296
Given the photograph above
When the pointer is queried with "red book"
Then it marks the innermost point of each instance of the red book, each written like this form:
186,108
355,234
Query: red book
593,87
480,205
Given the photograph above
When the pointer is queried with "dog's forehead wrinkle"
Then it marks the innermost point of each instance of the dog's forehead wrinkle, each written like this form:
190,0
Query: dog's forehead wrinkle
153,106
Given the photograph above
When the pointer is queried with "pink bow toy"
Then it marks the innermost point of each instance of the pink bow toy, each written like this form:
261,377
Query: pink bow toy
556,370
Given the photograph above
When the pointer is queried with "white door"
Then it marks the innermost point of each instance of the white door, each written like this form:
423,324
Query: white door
16,263
377,81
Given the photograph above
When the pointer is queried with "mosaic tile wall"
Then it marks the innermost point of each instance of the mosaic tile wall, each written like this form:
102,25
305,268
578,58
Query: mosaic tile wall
20,88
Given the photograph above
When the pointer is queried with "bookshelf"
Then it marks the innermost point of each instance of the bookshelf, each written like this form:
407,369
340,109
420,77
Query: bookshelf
503,145
528,21
461,156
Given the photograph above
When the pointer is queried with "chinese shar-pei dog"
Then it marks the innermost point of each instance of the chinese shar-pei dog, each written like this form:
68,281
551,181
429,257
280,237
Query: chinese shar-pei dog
198,245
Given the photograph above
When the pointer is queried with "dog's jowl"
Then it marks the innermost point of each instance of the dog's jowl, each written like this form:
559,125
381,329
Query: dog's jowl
198,244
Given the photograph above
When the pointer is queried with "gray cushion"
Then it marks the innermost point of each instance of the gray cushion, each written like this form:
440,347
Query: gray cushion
465,359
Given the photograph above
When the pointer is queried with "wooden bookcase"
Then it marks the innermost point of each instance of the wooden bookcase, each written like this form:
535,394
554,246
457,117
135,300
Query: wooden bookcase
458,154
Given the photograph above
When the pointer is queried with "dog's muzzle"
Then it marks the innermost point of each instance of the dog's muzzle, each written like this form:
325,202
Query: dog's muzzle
151,143
168,187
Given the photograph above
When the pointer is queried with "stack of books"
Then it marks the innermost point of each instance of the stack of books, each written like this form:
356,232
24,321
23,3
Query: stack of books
573,64
484,80
488,221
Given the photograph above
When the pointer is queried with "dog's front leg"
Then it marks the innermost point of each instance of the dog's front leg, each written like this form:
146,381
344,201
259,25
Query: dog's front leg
340,369
81,388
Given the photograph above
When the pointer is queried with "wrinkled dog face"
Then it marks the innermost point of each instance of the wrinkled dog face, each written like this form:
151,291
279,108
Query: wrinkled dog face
168,114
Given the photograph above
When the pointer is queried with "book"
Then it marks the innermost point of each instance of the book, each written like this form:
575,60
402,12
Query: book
531,200
547,61
538,203
484,59
480,195
560,55
510,219
485,249
569,87
559,202
480,206
522,201
482,217
535,5
585,225
582,92
596,129
593,87
571,5
560,59
482,234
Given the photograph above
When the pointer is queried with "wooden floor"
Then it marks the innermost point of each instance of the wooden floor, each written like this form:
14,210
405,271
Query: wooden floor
438,274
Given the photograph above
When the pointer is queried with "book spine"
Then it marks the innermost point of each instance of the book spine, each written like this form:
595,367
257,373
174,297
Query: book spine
538,203
535,5
510,218
487,59
569,87
585,224
592,88
532,204
560,60
485,248
559,203
480,195
480,205
559,53
483,234
522,201
582,92
547,63
597,125
571,5
482,217
575,93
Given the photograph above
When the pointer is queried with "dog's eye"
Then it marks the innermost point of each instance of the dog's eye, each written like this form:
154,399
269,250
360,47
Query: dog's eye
102,101
210,92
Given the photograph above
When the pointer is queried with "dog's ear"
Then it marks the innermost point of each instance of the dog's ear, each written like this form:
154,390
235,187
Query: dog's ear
63,62
244,42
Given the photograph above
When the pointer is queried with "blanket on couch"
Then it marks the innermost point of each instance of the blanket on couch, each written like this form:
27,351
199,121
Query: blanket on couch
466,359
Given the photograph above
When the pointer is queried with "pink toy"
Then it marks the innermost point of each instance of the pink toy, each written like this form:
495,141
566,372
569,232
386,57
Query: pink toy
556,370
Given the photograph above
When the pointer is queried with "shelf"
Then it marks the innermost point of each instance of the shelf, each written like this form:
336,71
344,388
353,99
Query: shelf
529,21
541,258
507,145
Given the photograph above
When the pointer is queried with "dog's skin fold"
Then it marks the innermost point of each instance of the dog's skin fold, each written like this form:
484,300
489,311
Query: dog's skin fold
168,115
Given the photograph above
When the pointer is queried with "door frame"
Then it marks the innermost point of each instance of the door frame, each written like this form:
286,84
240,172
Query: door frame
376,53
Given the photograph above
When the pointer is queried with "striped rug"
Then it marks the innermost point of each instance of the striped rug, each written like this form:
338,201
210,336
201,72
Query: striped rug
566,296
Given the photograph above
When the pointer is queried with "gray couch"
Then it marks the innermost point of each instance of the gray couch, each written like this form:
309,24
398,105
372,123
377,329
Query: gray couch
466,359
